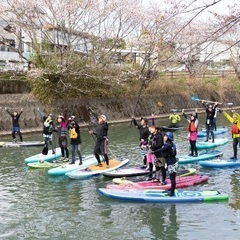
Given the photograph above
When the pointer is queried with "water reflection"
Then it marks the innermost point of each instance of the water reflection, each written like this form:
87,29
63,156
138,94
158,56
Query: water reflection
235,183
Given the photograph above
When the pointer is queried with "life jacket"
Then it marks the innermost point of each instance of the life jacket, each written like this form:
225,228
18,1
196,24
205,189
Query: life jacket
235,129
72,133
192,127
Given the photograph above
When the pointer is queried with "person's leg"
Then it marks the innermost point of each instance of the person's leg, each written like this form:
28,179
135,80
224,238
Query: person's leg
96,152
79,154
195,148
172,177
103,148
235,144
192,147
67,152
207,132
150,164
73,146
51,144
164,173
212,133
13,134
62,151
106,159
157,173
20,136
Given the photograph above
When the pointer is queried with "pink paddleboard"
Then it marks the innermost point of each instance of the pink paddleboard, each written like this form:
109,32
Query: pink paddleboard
181,182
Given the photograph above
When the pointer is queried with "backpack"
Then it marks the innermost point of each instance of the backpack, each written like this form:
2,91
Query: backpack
72,133
234,129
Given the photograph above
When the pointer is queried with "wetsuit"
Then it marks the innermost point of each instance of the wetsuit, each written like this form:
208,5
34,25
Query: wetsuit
157,143
100,148
143,138
168,151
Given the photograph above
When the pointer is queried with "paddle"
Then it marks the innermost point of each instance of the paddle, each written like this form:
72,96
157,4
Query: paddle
195,98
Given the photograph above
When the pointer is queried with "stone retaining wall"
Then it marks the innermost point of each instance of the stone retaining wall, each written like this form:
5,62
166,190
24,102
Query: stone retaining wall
116,109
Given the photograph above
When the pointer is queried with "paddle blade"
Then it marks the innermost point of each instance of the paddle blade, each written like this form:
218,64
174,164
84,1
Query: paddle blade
195,98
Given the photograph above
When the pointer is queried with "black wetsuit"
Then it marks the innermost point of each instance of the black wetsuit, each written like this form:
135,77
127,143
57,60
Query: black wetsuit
100,148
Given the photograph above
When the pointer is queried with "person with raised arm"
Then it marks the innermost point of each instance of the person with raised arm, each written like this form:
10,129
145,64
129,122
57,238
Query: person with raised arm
15,124
192,131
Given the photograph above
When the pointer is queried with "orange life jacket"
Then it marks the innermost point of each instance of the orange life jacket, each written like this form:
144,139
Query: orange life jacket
192,127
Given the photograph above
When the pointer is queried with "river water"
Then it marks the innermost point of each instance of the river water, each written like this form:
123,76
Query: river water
34,205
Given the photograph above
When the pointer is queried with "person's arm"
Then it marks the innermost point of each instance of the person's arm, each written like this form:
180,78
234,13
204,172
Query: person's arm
164,148
204,105
41,114
20,113
229,118
185,115
178,118
9,112
134,122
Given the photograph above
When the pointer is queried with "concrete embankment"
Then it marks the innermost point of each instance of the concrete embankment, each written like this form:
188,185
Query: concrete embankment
117,110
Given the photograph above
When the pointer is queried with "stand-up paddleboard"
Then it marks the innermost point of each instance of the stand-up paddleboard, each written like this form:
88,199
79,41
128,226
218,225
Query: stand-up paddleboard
47,158
22,144
202,156
166,128
136,171
61,170
181,182
127,172
180,173
162,196
96,170
220,163
46,165
207,145
203,133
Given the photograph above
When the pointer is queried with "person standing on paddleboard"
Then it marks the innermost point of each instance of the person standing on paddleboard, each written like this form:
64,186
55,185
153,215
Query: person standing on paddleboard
62,137
156,142
48,128
235,130
143,138
15,124
75,139
210,113
101,133
169,152
192,131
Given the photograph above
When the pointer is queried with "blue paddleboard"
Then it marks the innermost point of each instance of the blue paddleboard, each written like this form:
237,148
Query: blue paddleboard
46,158
203,133
207,145
161,196
202,156
61,170
220,163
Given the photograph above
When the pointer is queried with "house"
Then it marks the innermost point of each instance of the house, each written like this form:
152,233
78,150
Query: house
14,52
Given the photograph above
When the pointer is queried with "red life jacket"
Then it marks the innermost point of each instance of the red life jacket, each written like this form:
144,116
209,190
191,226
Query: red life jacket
235,129
192,127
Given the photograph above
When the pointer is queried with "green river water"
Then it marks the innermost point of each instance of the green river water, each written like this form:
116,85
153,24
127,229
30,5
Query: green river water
34,205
